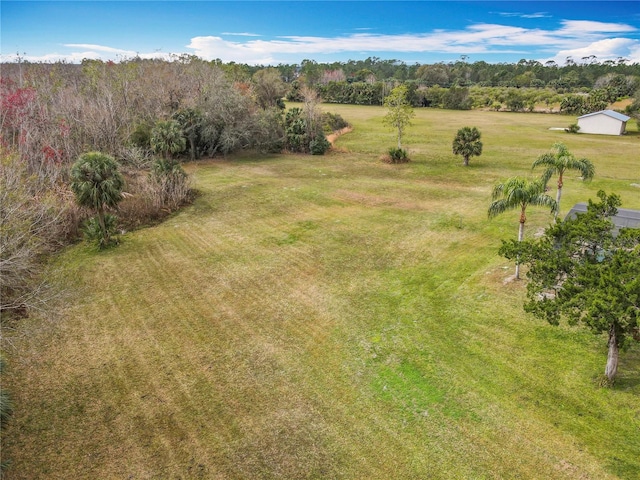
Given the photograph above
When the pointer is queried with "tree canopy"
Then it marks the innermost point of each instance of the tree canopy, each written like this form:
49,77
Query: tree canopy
558,162
583,271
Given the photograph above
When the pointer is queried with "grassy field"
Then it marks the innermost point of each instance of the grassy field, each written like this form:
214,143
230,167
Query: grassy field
329,317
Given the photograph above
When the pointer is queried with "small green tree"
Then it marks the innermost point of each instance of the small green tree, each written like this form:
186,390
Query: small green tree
167,138
467,143
580,270
97,184
519,193
558,162
400,112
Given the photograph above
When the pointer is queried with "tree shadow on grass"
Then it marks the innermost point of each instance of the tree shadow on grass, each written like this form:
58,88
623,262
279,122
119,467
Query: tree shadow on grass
628,378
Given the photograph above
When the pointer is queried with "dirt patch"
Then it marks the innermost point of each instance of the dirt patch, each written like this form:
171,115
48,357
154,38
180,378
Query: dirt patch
333,136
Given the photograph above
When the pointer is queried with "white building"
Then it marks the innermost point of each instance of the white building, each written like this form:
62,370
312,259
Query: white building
605,122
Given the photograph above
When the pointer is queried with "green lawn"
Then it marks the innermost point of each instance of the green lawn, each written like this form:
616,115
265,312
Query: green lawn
329,317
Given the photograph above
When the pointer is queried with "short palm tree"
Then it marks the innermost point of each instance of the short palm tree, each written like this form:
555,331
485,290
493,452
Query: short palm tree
559,162
467,143
167,138
97,184
519,193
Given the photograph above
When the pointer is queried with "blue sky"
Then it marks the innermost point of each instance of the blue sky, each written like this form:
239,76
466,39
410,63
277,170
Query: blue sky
272,32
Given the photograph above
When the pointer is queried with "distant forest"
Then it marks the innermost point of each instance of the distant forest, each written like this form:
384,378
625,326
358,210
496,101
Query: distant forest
574,76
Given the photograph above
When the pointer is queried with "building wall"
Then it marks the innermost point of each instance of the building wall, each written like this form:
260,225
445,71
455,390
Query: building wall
601,124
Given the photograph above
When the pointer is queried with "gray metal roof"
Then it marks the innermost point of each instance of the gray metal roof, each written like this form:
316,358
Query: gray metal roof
625,218
609,113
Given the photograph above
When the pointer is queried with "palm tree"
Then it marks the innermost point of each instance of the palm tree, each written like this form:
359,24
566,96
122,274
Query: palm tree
191,121
167,138
559,162
97,183
467,143
518,192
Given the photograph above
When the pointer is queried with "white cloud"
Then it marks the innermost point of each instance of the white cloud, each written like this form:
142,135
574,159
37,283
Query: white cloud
634,53
607,49
86,51
242,34
575,38
524,15
99,48
573,28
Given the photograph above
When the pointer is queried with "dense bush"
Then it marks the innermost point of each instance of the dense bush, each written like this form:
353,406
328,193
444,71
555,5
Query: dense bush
34,220
319,145
303,129
172,185
94,233
333,121
457,98
396,155
268,135
355,93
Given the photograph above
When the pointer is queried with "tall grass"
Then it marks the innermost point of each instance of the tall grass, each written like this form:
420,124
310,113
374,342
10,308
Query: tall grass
329,317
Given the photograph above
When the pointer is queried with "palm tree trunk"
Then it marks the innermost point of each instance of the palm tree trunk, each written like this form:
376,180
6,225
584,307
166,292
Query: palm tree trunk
192,143
466,160
103,224
612,358
558,195
520,237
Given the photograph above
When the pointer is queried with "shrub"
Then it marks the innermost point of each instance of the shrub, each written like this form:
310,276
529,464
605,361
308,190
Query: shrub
94,234
296,137
319,145
136,157
396,155
268,136
141,135
171,184
573,128
333,121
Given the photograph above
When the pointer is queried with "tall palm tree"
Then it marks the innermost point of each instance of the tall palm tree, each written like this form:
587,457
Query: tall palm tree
167,138
467,143
97,183
518,192
559,162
